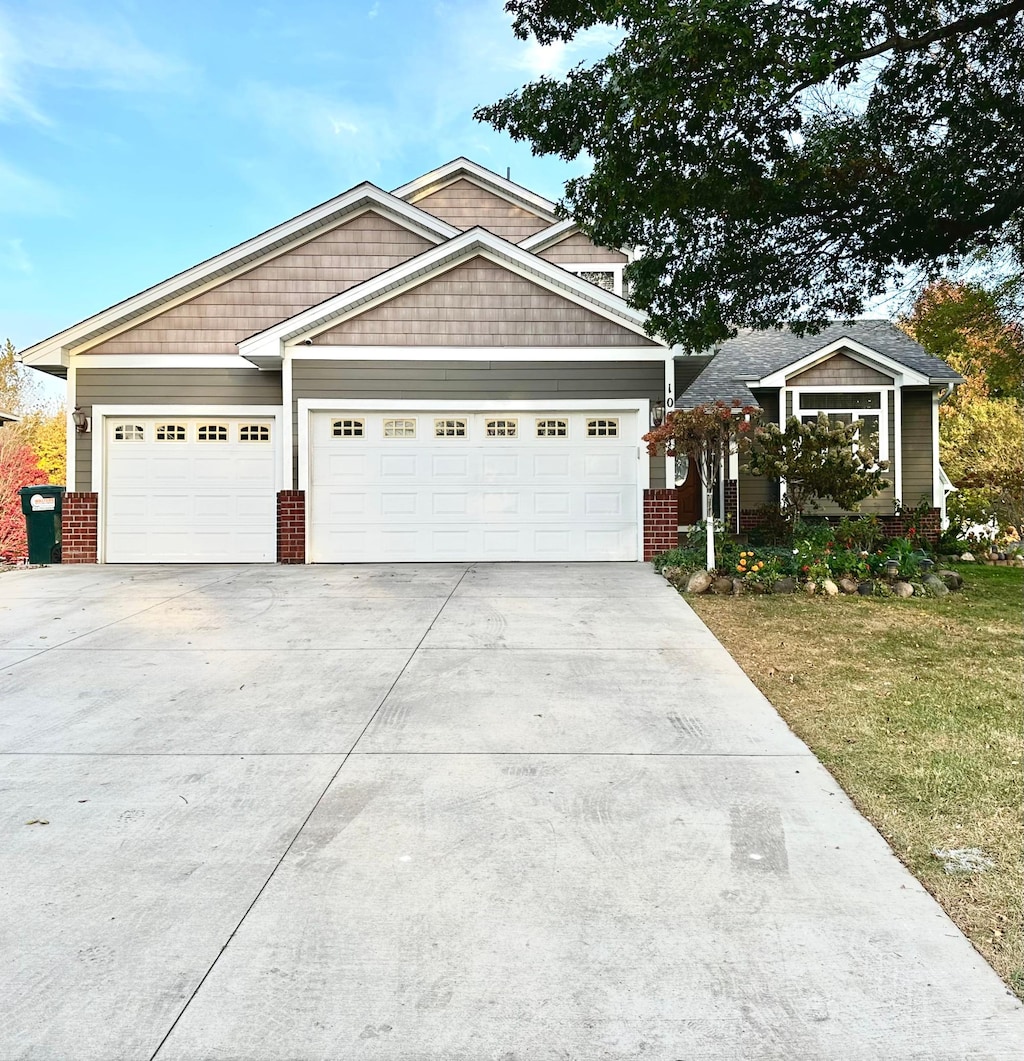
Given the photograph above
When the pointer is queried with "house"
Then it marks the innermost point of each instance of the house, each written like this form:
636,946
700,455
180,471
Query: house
447,371
8,418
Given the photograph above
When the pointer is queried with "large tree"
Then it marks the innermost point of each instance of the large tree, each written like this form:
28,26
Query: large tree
782,161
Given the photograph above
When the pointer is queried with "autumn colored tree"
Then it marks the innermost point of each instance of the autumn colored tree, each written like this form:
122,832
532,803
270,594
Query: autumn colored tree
823,458
978,330
18,468
707,434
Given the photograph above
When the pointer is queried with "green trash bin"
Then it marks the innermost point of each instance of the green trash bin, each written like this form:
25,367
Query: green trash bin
42,506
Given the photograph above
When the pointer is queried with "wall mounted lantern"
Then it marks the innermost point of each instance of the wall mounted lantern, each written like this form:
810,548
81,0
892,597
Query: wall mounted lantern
81,421
658,413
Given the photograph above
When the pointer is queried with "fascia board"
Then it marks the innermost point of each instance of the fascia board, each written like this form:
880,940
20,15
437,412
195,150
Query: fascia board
450,171
266,345
547,237
868,355
234,260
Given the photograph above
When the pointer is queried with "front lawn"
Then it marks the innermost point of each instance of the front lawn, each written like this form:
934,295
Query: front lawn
915,707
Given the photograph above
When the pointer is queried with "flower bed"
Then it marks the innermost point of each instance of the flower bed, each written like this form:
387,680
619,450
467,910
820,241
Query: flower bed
853,556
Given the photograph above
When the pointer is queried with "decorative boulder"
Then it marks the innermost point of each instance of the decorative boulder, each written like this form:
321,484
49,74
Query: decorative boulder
953,579
919,590
699,582
848,585
737,586
810,588
934,586
903,589
784,585
969,557
866,589
829,587
722,586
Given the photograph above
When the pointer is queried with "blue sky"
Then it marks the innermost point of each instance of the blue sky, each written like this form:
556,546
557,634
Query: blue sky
138,138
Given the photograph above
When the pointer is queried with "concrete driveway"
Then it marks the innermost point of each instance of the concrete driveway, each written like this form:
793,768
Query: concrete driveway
512,812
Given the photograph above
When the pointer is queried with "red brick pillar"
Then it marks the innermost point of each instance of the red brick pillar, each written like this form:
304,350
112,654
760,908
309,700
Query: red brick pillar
78,528
291,527
732,505
661,521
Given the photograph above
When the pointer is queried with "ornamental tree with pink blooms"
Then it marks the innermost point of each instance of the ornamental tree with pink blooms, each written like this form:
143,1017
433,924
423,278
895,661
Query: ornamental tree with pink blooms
707,434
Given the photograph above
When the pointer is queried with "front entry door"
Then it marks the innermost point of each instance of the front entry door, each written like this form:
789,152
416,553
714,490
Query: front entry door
688,490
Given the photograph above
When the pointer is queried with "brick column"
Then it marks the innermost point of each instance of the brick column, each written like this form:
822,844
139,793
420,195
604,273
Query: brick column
78,528
291,527
732,505
929,526
661,521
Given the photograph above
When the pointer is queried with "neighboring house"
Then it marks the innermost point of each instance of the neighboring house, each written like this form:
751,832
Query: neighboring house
8,418
444,372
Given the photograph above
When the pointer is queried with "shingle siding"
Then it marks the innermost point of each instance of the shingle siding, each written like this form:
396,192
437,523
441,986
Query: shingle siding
465,205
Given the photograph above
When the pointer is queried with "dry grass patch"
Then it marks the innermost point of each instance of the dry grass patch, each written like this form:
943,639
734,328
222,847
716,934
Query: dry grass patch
915,707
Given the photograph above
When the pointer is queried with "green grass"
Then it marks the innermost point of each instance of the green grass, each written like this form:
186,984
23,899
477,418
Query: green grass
915,707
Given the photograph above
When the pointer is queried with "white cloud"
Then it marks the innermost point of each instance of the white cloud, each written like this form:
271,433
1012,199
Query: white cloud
40,50
374,10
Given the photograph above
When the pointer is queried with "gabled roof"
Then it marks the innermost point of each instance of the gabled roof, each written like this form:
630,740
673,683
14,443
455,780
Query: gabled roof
52,352
265,348
501,186
752,357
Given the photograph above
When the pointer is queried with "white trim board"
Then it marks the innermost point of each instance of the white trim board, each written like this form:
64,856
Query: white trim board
461,167
642,407
216,270
474,353
866,355
233,361
264,347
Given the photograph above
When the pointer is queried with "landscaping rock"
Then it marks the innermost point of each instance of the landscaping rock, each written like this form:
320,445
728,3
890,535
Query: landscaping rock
934,586
829,587
919,590
969,557
672,574
903,589
784,585
848,585
866,589
699,582
737,586
953,579
722,586
810,588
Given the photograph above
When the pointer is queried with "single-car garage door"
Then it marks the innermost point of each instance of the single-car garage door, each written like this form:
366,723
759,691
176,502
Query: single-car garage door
190,490
519,485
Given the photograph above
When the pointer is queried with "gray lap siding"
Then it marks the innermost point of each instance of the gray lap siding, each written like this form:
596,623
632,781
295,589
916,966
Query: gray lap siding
148,386
481,381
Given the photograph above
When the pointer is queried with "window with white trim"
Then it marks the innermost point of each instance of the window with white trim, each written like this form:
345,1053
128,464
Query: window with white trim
847,407
606,427
350,427
254,433
212,433
129,433
449,429
504,428
170,433
603,278
399,428
552,428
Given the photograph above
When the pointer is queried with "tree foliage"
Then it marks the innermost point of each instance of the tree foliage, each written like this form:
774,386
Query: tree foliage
822,458
977,329
18,468
707,434
782,161
18,390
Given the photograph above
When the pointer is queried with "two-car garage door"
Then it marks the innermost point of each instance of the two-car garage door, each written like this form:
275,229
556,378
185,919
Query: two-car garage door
443,485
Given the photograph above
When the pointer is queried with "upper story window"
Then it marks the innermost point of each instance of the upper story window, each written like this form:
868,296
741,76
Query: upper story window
604,278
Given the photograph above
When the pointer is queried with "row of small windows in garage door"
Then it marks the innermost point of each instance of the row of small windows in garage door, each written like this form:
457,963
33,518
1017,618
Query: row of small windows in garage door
180,432
506,427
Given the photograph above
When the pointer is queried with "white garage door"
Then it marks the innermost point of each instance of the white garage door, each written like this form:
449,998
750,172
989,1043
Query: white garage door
473,486
190,490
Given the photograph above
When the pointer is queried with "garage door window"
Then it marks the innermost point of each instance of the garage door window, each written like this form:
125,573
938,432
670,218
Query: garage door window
170,432
348,428
502,428
449,428
552,428
254,433
129,433
213,433
399,428
603,428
